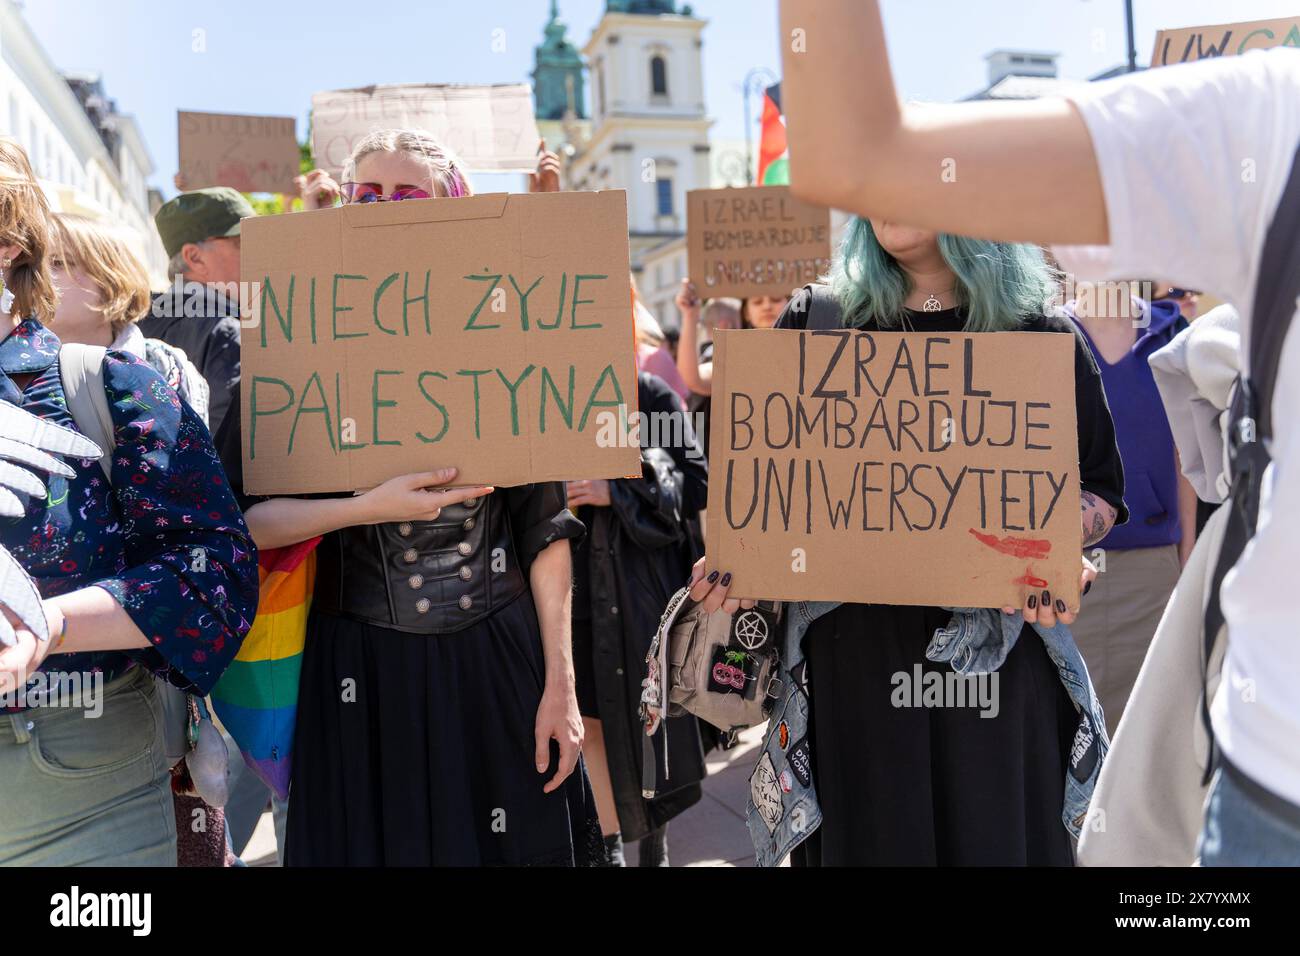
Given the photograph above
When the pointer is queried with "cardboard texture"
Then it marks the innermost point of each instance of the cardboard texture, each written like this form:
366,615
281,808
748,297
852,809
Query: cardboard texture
486,333
490,128
759,240
1189,44
830,479
254,154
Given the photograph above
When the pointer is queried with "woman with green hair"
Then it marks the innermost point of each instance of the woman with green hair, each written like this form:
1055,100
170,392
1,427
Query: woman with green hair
943,785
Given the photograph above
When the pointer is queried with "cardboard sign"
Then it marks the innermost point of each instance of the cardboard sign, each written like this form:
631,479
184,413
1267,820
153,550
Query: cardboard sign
1189,44
490,128
489,333
254,154
935,469
760,240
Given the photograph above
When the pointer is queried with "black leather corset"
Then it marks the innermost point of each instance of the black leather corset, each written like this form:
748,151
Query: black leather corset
422,577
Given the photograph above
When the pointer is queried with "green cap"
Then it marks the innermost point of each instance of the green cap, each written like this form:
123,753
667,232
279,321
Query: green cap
203,214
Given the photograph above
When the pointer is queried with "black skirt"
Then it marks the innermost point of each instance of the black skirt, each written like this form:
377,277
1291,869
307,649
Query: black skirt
417,750
927,786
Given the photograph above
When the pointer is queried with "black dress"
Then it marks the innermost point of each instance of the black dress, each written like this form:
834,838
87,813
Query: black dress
637,552
944,785
417,749
429,760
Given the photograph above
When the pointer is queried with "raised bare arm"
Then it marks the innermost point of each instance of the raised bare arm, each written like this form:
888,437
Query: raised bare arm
1019,171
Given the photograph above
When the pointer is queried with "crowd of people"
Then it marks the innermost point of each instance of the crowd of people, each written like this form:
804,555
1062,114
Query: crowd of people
497,723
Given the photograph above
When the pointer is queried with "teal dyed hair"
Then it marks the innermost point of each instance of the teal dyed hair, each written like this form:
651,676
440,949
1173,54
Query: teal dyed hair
998,283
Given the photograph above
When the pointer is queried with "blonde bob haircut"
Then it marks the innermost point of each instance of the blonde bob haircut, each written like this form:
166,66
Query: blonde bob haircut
445,169
25,222
103,255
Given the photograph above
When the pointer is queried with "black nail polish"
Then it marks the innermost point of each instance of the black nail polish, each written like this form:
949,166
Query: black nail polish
1033,601
1047,599
1060,606
1087,587
726,579
713,576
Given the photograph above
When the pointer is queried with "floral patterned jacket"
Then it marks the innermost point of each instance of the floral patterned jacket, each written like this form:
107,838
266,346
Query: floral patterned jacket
166,540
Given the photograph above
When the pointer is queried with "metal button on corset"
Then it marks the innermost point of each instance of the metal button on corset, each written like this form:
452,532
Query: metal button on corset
423,577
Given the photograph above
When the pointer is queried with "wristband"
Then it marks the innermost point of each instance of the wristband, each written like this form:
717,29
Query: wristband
63,633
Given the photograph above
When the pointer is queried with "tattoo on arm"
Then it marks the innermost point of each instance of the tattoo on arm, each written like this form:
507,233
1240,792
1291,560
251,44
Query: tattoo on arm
1097,517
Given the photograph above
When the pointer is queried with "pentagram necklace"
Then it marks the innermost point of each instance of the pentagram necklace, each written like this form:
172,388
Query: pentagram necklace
932,304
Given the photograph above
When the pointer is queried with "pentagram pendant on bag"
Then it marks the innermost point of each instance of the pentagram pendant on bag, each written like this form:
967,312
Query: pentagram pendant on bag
752,630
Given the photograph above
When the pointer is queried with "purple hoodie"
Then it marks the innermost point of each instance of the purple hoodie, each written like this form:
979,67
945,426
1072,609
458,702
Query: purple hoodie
1146,444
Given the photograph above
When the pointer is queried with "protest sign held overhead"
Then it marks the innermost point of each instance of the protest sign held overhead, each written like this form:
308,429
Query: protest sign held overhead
759,240
254,154
484,333
1188,44
491,129
936,469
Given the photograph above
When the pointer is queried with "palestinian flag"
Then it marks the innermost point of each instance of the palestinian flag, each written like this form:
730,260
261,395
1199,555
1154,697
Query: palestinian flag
773,151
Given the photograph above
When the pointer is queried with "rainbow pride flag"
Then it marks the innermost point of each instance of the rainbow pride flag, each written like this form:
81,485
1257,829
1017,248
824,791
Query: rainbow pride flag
256,699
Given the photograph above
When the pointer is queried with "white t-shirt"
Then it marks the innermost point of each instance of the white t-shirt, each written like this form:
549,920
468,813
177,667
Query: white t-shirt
1193,162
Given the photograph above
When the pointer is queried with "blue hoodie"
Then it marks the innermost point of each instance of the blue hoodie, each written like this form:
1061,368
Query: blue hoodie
1146,444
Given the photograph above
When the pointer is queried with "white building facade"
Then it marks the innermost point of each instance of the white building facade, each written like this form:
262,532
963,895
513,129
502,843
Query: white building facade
93,167
649,134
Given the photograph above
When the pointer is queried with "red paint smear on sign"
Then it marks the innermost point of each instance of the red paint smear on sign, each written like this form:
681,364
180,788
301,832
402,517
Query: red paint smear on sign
1016,547
1029,580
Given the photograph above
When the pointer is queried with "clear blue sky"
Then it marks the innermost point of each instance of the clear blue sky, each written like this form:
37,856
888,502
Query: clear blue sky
269,56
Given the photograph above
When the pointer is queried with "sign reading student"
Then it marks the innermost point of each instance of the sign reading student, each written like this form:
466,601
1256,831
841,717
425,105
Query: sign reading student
937,469
1189,44
760,240
490,128
486,333
254,154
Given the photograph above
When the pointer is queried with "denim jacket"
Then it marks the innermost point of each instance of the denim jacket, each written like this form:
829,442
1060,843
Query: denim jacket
782,808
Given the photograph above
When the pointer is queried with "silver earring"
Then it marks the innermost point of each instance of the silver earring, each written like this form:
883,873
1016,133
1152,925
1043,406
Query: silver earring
7,262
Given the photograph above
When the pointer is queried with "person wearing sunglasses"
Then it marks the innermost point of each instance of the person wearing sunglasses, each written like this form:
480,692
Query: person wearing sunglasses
1186,299
319,190
449,610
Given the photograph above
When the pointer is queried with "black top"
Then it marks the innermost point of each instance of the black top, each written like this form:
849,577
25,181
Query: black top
1101,471
206,327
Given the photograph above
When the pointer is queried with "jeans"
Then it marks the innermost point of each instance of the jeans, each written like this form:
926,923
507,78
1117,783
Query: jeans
84,790
1246,825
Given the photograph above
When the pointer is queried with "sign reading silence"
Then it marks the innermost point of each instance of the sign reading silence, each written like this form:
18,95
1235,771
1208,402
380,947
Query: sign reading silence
759,240
253,154
491,129
486,333
1189,44
935,469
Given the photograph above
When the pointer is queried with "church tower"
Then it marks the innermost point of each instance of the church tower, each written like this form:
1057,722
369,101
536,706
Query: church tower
650,134
557,77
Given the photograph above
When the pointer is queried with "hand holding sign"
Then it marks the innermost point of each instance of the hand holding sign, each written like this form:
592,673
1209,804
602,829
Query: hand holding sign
417,497
547,177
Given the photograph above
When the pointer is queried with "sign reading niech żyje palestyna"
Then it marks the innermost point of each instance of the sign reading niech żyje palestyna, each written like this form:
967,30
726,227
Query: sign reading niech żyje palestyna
491,333
935,469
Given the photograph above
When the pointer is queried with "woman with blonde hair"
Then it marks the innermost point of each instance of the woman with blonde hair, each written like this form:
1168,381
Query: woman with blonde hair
447,610
123,596
103,292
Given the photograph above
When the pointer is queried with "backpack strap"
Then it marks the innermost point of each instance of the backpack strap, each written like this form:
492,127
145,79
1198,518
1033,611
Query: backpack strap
81,368
821,305
1277,296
